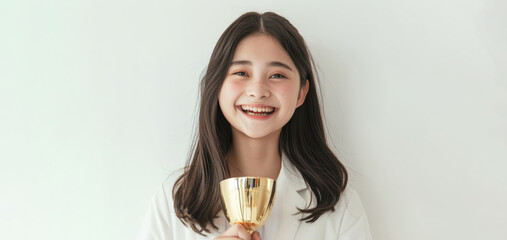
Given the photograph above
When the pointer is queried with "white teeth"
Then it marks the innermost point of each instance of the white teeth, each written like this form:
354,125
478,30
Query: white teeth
257,114
257,109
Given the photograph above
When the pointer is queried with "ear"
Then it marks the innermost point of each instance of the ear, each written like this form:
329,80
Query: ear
302,93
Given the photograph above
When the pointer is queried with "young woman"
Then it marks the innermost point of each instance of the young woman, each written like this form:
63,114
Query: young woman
259,116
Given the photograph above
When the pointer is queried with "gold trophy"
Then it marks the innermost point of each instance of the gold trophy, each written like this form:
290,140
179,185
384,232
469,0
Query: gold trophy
248,200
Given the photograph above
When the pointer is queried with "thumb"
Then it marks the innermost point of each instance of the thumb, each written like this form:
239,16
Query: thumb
256,236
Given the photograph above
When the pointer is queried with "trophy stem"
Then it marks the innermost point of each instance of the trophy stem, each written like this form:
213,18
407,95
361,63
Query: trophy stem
247,227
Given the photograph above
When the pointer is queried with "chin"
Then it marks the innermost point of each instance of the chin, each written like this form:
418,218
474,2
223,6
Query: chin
257,135
260,134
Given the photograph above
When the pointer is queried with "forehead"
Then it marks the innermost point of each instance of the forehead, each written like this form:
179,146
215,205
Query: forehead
261,48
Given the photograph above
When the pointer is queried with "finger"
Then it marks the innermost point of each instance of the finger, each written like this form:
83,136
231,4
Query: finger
237,231
256,236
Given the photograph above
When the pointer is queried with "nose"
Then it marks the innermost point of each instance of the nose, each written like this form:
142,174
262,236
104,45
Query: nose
258,89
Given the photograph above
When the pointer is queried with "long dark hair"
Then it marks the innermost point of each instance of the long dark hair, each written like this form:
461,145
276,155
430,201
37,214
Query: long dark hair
196,192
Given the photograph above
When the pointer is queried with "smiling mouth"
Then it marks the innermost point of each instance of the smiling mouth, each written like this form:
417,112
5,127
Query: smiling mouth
257,111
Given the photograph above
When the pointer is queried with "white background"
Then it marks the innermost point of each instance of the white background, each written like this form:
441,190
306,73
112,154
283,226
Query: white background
98,100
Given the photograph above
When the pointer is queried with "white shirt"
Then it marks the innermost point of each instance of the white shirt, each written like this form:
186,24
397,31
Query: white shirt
347,222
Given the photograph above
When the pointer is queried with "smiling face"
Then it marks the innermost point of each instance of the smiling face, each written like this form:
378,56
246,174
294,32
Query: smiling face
261,89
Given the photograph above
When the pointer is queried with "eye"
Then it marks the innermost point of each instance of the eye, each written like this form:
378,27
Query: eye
277,75
243,74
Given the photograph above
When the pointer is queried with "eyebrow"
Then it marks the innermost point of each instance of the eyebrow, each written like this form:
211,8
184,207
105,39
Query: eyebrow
272,64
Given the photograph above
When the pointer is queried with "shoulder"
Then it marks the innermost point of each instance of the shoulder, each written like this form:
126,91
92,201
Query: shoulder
352,222
160,221
350,202
163,197
348,221
166,189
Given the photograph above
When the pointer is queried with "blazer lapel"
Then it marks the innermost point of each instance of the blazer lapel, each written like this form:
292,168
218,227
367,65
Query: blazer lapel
291,191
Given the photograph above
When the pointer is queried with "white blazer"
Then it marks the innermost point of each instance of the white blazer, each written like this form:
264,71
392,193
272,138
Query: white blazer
347,222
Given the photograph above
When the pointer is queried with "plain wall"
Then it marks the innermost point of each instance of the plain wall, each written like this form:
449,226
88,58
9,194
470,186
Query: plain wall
98,100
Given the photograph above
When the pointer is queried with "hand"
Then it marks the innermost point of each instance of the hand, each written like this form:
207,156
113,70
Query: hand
238,232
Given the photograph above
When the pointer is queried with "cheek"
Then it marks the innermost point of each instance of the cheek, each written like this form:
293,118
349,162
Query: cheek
289,93
229,92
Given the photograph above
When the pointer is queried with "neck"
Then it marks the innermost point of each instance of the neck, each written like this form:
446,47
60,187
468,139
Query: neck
254,157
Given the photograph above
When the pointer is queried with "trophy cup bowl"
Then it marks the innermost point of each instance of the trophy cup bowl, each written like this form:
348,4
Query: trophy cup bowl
248,200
